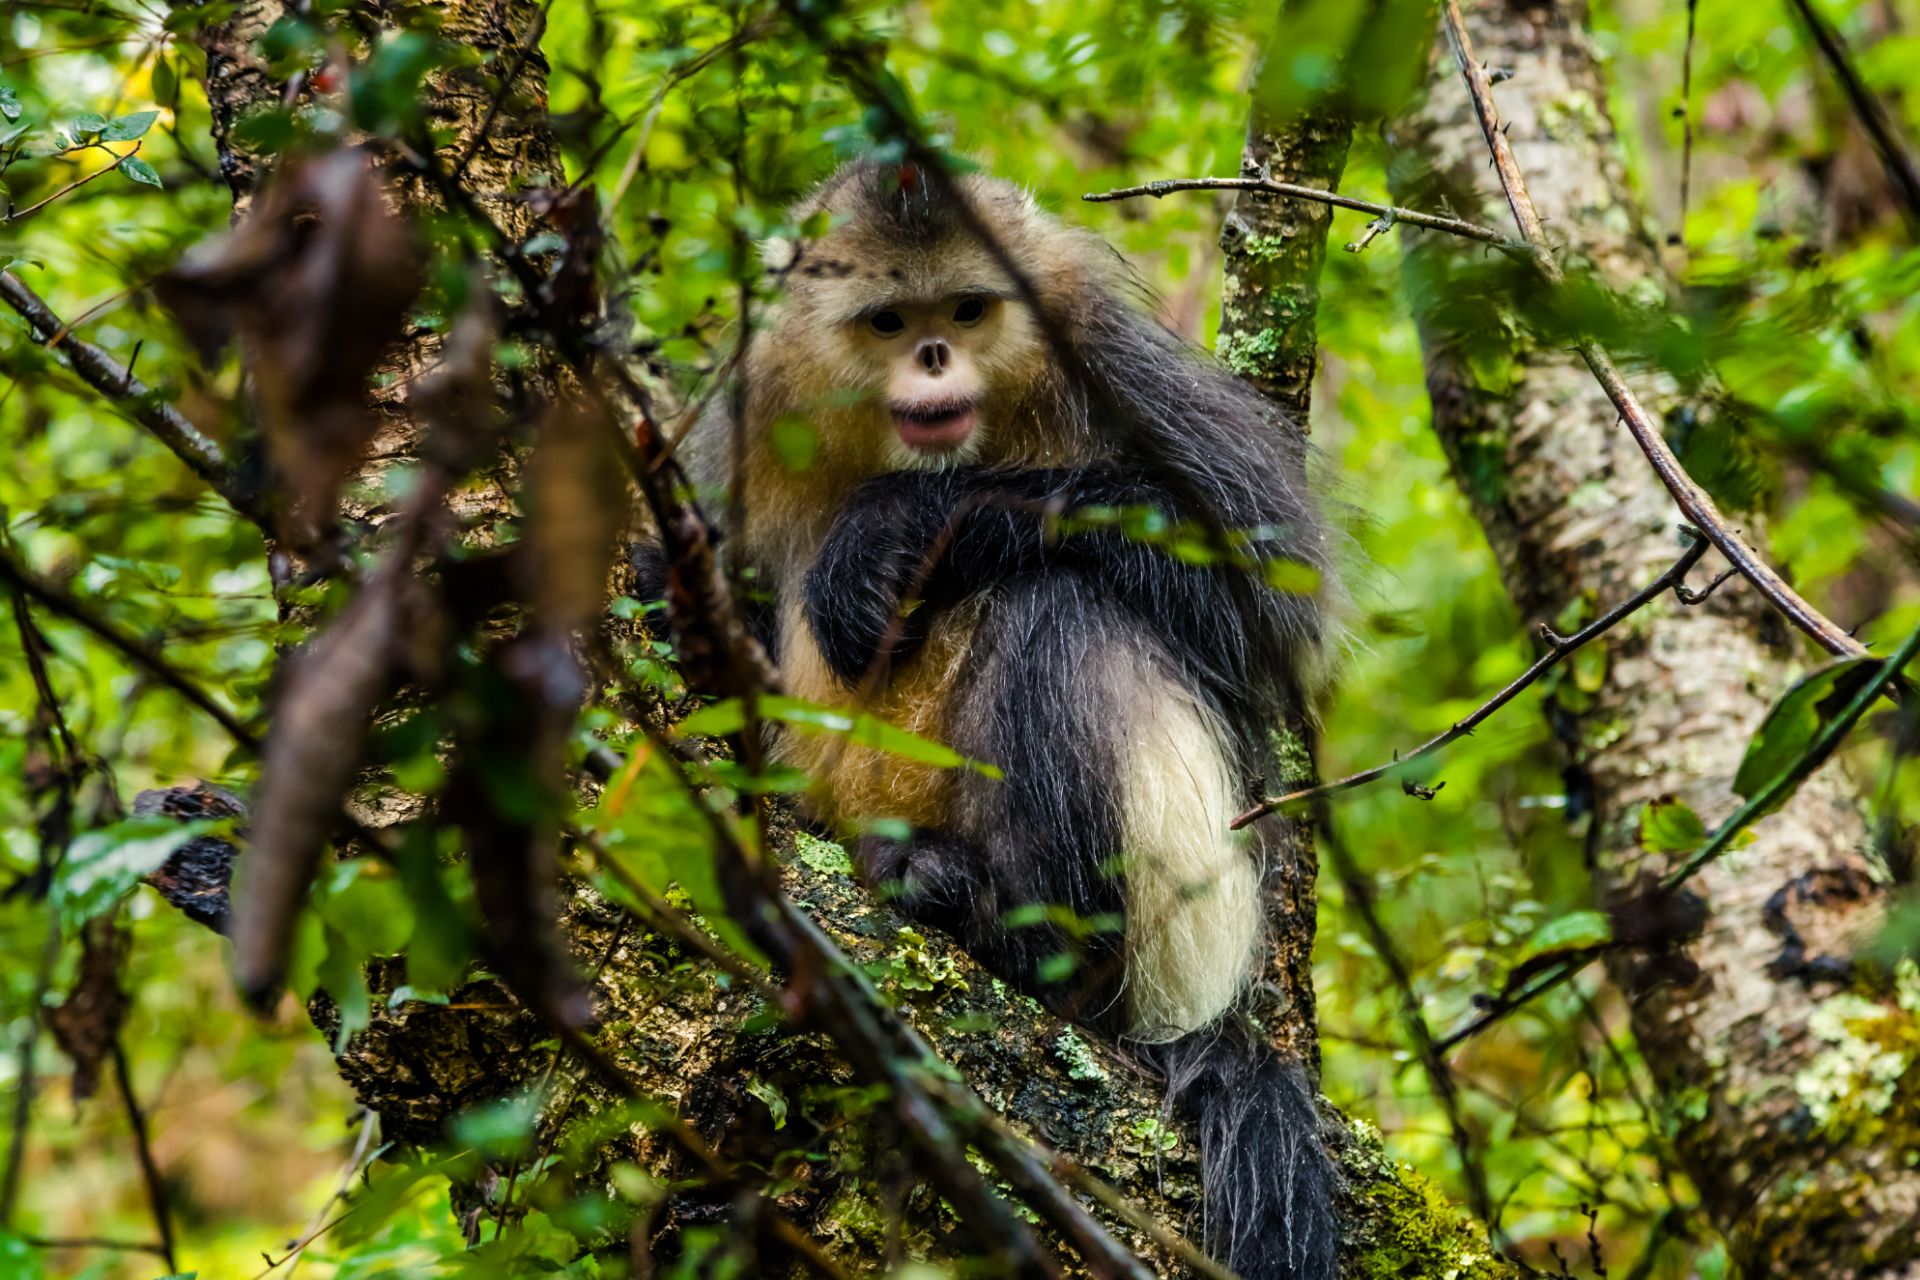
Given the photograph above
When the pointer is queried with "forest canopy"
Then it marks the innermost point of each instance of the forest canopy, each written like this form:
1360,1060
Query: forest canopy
393,880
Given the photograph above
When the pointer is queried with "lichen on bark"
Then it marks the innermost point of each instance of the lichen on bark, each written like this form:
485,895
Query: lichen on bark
1572,508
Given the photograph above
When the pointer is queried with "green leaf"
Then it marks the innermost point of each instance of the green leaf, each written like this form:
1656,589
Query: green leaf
501,1130
105,864
87,126
795,443
1796,720
775,1100
1575,931
140,171
268,130
343,976
19,1259
367,906
386,90
1667,826
9,104
715,720
166,81
721,718
129,127
1291,576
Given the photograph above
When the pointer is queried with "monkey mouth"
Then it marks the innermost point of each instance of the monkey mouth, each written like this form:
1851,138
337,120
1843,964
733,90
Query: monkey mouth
934,428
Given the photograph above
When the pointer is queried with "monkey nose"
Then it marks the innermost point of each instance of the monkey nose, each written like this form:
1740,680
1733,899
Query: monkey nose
933,355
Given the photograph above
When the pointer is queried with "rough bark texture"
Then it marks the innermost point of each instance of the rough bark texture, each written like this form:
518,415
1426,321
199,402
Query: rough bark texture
1270,297
683,1034
1270,294
1788,1071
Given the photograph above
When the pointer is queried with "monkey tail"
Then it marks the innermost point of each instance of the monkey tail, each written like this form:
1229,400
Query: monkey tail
1267,1179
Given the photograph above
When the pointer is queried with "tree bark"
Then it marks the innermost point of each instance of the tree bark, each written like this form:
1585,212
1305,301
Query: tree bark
1270,293
684,1034
1788,1070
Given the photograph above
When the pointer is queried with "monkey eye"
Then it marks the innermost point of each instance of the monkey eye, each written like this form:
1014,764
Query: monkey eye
970,311
886,323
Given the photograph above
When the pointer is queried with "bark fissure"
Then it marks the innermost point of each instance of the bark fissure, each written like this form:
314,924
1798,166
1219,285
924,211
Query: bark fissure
1799,1159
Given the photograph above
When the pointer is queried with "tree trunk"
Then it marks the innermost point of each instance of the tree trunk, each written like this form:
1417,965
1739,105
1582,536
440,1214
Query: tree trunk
686,1036
1796,1129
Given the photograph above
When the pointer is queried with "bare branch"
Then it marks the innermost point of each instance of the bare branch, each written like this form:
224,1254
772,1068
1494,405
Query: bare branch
23,214
1412,217
1558,647
104,374
1902,176
1761,803
143,655
143,1147
1690,497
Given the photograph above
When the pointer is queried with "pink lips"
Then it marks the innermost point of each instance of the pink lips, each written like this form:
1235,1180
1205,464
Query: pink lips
934,428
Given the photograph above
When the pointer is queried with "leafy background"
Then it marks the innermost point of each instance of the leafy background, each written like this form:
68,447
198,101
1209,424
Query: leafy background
1798,286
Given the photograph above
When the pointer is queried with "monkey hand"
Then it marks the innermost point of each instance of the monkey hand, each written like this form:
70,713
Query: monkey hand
864,592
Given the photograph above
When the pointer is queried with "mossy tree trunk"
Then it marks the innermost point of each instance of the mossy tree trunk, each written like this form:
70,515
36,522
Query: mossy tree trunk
1772,1062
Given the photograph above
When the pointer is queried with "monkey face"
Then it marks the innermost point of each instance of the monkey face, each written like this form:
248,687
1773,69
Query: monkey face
901,339
933,354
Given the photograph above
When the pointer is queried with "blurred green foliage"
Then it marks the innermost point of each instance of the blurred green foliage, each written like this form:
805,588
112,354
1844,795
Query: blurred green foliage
699,121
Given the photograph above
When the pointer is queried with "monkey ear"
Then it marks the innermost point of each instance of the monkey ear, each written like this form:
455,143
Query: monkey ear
777,253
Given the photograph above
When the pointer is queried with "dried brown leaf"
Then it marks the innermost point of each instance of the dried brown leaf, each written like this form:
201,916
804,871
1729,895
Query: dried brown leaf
312,753
87,1021
316,283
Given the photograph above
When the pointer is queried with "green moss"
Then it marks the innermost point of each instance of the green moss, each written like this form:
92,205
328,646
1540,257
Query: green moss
1862,1085
823,856
1077,1056
1251,354
1409,1227
1266,248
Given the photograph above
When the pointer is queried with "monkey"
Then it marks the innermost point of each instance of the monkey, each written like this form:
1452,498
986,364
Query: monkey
994,502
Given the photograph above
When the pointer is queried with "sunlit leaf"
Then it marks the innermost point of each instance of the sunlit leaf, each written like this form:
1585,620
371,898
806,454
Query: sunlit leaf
1668,826
104,864
1796,720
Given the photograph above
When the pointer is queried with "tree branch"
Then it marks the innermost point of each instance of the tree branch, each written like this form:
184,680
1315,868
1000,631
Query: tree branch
1558,647
1899,166
143,655
111,379
1411,217
1690,497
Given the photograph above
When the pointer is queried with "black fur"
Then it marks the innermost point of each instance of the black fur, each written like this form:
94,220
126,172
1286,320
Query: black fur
1267,1182
1023,870
944,536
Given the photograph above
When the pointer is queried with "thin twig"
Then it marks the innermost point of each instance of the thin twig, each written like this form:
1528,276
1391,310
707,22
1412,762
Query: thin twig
22,214
96,1242
104,374
1691,498
1359,894
1686,123
26,1074
1558,648
1008,1145
1901,173
525,46
143,1148
1411,217
142,654
1763,802
319,1222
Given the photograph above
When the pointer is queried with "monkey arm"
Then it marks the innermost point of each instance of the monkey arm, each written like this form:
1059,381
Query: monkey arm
910,544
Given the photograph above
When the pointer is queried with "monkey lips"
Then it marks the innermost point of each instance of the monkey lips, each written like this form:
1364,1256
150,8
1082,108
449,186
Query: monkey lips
935,427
